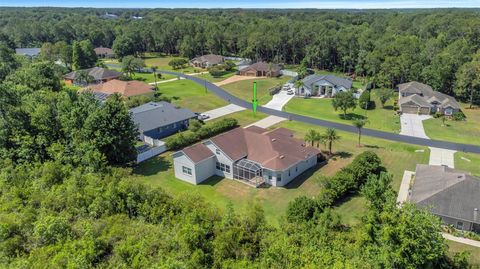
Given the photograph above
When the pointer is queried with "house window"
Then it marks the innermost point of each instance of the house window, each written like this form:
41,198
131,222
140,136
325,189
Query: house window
186,170
222,167
270,176
217,165
288,172
459,225
217,151
279,177
296,168
227,168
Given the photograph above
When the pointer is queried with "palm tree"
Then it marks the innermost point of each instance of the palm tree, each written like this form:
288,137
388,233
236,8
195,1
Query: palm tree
298,84
319,138
331,136
359,123
154,71
311,136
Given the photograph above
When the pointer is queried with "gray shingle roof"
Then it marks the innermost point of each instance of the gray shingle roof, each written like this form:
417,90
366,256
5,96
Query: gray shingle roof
98,73
446,192
210,58
337,81
153,115
416,99
429,95
28,51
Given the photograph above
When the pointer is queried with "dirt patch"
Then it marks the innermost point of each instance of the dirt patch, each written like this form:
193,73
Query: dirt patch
235,78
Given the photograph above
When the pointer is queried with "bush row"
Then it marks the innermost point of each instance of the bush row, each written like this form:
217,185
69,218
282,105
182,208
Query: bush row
348,180
189,137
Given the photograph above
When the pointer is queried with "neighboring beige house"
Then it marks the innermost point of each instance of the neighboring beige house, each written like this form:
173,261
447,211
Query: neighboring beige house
207,61
261,69
253,155
419,98
452,195
95,75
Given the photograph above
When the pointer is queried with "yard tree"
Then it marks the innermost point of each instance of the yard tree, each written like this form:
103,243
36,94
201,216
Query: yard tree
331,137
90,57
177,63
359,124
468,82
364,100
302,69
384,95
37,76
131,64
112,131
311,136
124,46
301,209
344,101
63,51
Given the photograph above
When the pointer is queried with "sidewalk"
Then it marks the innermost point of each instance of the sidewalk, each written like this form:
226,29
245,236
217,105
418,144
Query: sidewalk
404,186
461,240
223,111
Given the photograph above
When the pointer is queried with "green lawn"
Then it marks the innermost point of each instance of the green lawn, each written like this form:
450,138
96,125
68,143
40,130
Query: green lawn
455,247
188,94
379,118
244,89
397,157
212,79
467,132
162,63
244,117
471,164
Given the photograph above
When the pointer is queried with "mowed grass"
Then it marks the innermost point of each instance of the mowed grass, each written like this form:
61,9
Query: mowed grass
212,79
474,259
244,89
188,94
470,162
244,117
384,119
466,132
161,62
221,192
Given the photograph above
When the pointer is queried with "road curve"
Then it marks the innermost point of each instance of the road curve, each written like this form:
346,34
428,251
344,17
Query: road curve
323,123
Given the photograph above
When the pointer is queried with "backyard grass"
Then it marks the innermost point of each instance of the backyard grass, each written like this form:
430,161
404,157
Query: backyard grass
470,163
379,118
455,247
212,79
162,63
188,94
396,157
466,132
244,89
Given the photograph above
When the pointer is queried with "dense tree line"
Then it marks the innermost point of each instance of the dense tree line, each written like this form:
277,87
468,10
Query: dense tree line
391,47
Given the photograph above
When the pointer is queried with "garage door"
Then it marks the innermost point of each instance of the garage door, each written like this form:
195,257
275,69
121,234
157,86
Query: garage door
410,109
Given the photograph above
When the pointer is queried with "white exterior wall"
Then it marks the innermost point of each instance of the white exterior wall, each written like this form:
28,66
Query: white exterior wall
222,158
294,170
200,171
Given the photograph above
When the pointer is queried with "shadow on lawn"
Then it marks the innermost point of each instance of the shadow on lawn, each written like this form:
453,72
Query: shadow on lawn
343,154
152,166
352,116
296,183
212,181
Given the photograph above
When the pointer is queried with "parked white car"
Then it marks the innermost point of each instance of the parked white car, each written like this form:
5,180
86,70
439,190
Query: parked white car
203,116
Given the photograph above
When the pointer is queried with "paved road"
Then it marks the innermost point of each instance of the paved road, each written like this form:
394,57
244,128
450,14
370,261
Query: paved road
339,126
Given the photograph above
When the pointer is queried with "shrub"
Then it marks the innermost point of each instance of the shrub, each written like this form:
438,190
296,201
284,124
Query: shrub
216,71
301,209
458,116
189,137
275,90
364,100
437,115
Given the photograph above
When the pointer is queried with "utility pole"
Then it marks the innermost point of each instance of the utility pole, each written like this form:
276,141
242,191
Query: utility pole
254,101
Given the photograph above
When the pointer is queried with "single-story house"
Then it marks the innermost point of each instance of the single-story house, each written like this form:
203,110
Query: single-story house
124,88
156,120
419,98
206,61
28,52
253,155
323,85
104,52
261,69
97,75
450,194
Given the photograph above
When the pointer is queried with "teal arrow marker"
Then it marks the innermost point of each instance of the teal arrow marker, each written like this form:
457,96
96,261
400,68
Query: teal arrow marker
254,101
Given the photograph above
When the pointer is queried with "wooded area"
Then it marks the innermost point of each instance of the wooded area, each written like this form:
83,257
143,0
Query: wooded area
68,198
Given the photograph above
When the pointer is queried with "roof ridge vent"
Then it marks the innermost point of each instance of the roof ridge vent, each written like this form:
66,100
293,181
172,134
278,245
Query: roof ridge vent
282,157
274,139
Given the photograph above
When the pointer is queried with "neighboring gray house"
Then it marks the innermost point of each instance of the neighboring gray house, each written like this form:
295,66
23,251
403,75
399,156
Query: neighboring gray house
156,120
451,194
95,74
207,61
419,98
29,52
253,155
323,85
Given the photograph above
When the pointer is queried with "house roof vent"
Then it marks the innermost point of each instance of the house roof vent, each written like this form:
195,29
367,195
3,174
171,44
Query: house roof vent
274,139
282,156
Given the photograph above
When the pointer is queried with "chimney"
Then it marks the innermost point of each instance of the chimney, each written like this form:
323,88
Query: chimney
475,215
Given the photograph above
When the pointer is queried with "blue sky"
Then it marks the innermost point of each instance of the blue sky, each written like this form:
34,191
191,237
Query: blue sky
327,4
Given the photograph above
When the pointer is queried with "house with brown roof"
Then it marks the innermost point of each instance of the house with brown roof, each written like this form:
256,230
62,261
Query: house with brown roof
104,52
207,61
419,98
261,69
90,76
252,155
124,88
450,194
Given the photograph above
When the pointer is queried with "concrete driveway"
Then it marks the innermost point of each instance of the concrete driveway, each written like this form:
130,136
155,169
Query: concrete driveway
412,125
223,111
279,100
442,157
